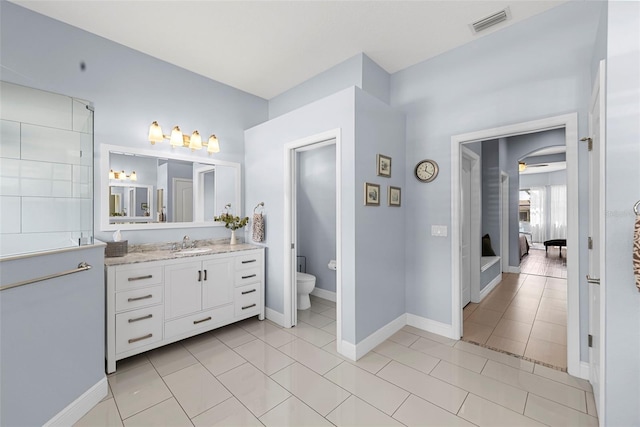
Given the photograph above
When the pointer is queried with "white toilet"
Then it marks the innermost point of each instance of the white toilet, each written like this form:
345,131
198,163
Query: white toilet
305,284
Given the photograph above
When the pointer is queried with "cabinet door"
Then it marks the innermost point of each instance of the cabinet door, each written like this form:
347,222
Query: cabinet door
217,287
182,290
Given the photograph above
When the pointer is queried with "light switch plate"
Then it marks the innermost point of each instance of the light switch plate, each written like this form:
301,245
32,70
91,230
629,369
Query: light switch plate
439,230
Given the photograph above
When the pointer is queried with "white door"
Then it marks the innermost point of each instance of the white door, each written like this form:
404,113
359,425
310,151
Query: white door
183,200
504,218
596,234
466,232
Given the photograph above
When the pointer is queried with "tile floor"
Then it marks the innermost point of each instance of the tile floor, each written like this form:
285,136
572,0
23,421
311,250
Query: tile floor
545,263
524,314
255,373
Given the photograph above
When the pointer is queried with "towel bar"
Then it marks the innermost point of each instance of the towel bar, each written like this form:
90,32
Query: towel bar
257,206
636,208
83,266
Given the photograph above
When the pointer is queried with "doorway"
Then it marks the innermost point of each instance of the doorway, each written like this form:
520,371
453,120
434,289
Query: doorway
569,123
182,200
471,214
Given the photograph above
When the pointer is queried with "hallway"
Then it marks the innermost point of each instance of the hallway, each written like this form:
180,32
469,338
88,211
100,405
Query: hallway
525,315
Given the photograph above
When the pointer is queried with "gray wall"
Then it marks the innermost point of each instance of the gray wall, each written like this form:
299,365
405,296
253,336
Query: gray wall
622,189
129,90
489,274
51,339
491,194
316,211
542,179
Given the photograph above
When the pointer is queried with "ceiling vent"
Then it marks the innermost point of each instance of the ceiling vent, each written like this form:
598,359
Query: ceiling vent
490,21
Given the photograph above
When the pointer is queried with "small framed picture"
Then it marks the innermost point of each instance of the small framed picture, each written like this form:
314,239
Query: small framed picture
371,194
394,196
384,166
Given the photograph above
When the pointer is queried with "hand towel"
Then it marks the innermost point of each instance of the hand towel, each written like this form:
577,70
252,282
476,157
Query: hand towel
258,227
636,252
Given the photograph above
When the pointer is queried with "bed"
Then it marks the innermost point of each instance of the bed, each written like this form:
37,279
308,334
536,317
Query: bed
523,245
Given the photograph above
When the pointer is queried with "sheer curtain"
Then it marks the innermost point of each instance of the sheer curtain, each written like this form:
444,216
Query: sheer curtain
558,212
538,214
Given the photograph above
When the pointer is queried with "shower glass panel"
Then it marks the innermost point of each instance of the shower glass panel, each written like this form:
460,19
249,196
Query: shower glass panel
46,171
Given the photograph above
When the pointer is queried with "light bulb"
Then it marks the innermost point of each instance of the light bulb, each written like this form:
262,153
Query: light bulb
133,176
195,142
155,133
112,174
176,137
213,146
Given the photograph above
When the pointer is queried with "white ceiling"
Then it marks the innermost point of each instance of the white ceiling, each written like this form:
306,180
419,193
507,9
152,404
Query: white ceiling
267,47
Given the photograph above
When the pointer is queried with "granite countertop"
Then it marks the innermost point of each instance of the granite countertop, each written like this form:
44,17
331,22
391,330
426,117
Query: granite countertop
161,251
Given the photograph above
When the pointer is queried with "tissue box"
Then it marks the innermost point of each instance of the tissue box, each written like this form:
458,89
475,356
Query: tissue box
115,249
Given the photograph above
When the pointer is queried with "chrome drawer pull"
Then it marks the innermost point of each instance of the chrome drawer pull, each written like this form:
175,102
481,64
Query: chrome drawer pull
248,306
249,261
132,340
133,279
195,322
139,298
148,316
249,277
248,292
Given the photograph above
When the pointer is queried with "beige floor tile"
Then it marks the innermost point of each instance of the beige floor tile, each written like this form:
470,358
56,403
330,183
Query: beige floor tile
313,318
407,356
482,412
476,332
495,304
513,330
196,389
311,356
404,338
556,284
318,307
330,328
526,301
468,309
418,412
371,361
485,317
523,365
167,413
558,392
315,336
554,414
230,413
547,352
377,392
483,386
591,405
271,334
563,377
138,389
233,335
214,355
104,414
425,386
314,390
331,313
132,362
520,314
551,315
552,293
355,412
254,389
171,358
429,335
316,300
549,332
293,412
109,394
450,354
554,303
506,344
263,356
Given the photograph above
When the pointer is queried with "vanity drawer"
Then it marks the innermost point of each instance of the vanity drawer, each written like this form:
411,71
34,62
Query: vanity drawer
251,275
138,328
205,319
137,298
138,276
252,260
247,300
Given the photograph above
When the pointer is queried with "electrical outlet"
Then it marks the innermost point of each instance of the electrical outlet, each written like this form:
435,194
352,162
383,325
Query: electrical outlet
439,230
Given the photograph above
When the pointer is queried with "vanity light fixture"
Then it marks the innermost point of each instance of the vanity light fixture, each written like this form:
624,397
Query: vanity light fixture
121,176
521,166
178,139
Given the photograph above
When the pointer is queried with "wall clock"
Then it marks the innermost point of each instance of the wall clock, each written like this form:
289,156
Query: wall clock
426,170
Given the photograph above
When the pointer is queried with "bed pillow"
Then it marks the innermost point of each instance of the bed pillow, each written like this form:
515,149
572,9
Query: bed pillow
487,250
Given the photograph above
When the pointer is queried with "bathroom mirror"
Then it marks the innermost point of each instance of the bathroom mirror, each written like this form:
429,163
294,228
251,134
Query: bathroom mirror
143,189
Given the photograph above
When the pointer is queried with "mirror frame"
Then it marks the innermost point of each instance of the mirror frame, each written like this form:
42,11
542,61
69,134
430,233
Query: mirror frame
107,149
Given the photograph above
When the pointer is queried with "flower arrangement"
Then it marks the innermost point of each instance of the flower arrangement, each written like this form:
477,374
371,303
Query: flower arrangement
232,222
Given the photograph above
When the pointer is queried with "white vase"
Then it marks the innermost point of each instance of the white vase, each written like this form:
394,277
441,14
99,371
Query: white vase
233,237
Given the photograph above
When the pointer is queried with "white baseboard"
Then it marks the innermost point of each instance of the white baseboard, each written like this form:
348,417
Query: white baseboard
348,350
584,370
79,407
432,326
274,316
324,294
512,269
373,340
492,284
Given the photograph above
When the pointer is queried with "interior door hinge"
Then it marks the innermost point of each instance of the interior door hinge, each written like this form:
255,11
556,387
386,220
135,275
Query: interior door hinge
293,246
589,142
590,340
590,243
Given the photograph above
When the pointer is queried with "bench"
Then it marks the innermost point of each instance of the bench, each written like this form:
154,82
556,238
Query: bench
555,242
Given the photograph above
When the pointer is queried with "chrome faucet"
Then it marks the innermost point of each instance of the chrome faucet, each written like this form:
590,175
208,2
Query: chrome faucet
185,242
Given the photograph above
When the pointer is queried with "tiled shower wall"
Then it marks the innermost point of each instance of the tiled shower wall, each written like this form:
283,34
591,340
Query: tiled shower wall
46,171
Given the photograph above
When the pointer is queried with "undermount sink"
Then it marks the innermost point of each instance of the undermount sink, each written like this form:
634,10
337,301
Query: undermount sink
193,251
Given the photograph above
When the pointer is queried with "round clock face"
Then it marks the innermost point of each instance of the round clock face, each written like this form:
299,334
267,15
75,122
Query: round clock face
426,170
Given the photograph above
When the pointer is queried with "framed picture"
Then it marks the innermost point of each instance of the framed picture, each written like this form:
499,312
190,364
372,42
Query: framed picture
144,206
371,194
384,166
394,196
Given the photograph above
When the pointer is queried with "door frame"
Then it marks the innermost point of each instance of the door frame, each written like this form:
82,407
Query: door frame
290,251
570,123
504,221
476,221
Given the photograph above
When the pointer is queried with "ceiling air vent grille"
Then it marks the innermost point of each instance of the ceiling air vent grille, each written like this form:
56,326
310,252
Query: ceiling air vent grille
490,21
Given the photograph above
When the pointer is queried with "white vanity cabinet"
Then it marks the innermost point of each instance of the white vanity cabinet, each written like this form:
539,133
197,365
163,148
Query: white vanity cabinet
154,303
